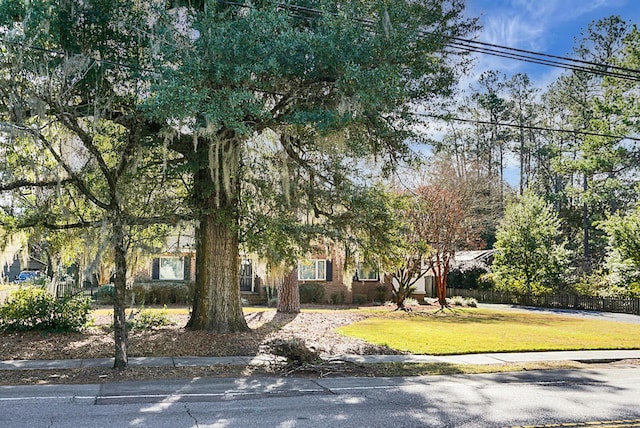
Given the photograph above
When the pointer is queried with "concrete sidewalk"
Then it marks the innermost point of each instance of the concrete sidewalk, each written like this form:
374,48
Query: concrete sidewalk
491,358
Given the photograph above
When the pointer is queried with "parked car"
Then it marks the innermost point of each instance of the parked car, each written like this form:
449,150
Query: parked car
26,275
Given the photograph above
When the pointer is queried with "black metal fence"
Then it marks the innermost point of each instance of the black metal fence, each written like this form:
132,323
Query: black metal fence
556,301
66,288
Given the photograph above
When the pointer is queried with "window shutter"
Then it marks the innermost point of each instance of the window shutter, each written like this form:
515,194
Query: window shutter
155,269
187,268
329,270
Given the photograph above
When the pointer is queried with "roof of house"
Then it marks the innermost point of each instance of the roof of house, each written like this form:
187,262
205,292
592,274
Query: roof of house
470,256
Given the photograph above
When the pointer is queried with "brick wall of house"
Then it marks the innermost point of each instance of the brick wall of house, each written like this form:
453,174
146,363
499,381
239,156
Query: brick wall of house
371,291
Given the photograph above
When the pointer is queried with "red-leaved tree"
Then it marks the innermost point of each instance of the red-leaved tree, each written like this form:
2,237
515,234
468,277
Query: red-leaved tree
439,217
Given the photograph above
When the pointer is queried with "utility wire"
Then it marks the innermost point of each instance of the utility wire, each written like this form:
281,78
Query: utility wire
542,61
563,58
63,54
530,127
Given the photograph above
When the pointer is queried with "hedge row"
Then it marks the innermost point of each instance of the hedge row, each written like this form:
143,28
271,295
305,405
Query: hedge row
149,294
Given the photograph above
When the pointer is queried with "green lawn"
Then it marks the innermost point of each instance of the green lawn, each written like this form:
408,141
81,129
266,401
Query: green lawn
467,331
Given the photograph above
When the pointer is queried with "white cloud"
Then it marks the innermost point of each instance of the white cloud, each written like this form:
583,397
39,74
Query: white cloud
554,11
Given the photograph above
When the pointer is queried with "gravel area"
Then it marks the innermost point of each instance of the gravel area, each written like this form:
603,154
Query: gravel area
317,329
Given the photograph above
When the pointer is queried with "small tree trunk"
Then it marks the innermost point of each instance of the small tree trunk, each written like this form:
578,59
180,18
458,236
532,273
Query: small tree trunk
119,305
404,290
585,228
289,293
441,288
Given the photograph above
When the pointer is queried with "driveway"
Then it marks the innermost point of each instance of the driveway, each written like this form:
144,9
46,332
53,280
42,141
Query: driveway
605,316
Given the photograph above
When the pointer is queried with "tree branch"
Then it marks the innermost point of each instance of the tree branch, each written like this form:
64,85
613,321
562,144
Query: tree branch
18,184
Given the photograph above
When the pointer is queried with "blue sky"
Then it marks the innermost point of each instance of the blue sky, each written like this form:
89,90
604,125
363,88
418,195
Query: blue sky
548,26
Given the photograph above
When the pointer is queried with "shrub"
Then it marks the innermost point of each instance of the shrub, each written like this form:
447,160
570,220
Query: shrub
381,293
457,300
467,276
137,294
149,319
359,299
104,294
337,298
33,308
410,301
487,281
160,293
471,302
311,292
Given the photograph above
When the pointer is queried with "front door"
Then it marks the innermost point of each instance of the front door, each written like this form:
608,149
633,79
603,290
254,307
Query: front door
246,276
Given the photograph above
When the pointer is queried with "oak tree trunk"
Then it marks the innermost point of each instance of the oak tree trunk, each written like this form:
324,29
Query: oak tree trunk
289,293
216,305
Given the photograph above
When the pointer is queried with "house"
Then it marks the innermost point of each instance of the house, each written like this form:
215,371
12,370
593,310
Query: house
359,284
466,259
325,266
11,271
176,262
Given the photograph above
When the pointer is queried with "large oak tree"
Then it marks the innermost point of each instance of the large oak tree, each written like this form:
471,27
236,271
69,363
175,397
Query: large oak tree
77,151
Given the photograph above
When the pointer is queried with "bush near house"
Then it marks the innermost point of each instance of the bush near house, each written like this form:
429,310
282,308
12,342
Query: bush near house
149,294
161,293
359,299
32,308
311,292
104,295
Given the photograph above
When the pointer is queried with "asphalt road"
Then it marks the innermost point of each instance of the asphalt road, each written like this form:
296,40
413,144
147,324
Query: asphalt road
594,397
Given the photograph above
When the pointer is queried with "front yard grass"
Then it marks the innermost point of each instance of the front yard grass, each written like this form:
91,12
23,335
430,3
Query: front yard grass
465,331
472,330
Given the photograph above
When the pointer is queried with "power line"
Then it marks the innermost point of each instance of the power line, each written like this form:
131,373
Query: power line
470,45
530,127
457,43
600,70
541,54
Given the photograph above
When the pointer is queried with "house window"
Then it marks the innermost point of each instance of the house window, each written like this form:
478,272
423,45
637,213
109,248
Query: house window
310,270
367,272
171,268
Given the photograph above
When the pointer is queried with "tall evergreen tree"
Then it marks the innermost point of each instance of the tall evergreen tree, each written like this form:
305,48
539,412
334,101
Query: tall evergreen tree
332,76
